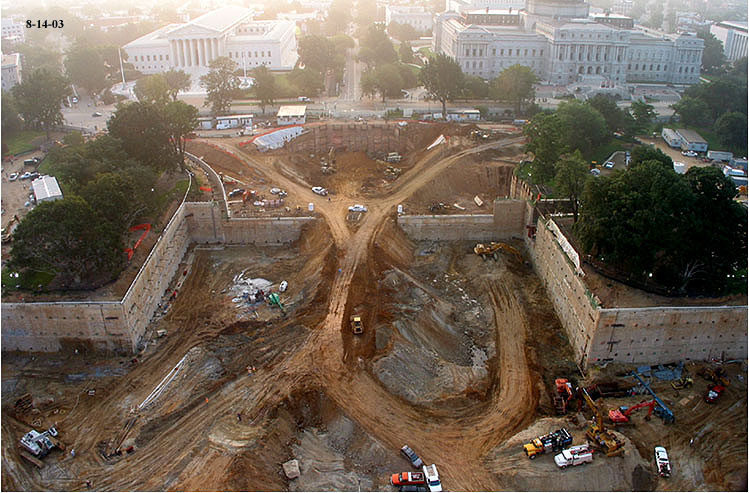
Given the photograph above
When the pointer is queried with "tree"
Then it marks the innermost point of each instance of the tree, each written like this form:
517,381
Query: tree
153,89
177,81
617,120
180,119
474,87
739,68
643,114
366,12
39,56
368,83
376,48
407,76
515,85
406,53
115,197
402,32
583,126
443,79
722,94
571,175
68,239
692,111
731,129
85,67
307,81
144,134
221,84
316,53
10,121
545,142
713,57
388,81
339,15
643,154
39,98
265,86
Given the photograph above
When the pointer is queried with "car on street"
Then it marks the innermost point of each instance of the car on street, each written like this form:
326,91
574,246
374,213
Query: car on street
662,463
96,113
320,191
13,177
414,459
713,393
609,164
357,208
405,478
689,153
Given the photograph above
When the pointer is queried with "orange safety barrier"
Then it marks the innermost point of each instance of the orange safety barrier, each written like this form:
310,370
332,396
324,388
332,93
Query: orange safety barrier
206,189
145,226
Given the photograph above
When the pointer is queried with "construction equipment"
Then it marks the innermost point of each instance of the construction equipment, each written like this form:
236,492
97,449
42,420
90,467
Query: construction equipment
331,156
620,416
715,374
356,325
554,441
562,396
598,435
491,249
40,444
274,299
661,409
683,383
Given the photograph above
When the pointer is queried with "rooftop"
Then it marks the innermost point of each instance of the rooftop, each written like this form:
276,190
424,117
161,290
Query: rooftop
11,60
223,18
690,135
46,187
740,25
292,110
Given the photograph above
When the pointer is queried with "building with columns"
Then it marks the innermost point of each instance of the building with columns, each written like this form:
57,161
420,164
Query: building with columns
733,35
561,42
228,31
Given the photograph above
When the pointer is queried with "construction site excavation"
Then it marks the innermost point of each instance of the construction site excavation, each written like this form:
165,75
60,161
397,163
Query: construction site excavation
363,288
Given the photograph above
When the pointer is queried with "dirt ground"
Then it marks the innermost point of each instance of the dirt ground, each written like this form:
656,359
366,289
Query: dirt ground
457,359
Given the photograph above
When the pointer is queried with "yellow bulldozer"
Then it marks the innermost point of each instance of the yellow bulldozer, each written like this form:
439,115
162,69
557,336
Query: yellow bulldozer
491,250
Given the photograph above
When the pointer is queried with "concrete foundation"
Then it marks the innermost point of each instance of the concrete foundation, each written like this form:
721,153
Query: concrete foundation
371,137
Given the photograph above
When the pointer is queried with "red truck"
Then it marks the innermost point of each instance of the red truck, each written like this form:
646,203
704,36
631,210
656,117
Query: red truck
406,478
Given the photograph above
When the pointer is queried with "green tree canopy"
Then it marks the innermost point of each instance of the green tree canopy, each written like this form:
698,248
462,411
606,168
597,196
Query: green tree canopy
617,120
265,89
366,12
731,129
221,84
10,121
692,111
68,239
713,57
376,48
177,81
643,114
474,87
40,97
144,133
406,53
402,32
643,154
443,79
515,85
546,143
152,89
583,126
180,120
339,15
571,175
84,66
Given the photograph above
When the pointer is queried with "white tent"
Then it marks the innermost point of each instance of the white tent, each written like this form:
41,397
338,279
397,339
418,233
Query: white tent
46,188
277,139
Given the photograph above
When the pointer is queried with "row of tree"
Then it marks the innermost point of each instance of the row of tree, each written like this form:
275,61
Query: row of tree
108,186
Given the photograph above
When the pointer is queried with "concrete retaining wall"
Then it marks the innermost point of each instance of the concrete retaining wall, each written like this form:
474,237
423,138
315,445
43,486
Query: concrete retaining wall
508,220
646,335
119,325
372,137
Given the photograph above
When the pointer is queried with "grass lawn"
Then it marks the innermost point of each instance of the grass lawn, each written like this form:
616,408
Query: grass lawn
29,281
604,151
426,51
22,141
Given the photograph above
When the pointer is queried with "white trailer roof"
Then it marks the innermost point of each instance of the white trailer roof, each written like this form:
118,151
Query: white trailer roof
292,110
46,187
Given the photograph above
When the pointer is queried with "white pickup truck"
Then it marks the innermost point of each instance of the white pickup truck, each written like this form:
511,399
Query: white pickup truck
574,456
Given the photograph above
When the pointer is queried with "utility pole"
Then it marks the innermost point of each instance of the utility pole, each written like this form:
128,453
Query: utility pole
122,71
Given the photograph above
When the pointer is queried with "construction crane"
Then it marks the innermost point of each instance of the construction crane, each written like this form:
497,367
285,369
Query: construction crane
621,416
491,249
597,433
661,409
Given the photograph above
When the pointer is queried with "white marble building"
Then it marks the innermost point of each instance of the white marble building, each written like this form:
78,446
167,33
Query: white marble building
561,42
417,17
228,31
465,5
733,36
11,71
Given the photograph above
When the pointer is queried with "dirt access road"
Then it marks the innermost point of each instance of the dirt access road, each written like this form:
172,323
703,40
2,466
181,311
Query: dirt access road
456,443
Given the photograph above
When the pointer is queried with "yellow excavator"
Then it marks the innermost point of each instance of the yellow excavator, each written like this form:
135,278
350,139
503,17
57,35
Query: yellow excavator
597,434
491,249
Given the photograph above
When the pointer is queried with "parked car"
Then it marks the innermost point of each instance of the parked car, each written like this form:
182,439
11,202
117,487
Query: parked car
713,393
13,177
595,172
275,190
303,99
609,164
661,462
34,175
282,287
405,478
414,459
236,191
574,456
357,208
432,477
96,113
320,191
689,153
26,176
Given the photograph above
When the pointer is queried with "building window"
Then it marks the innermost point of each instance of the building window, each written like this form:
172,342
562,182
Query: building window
468,52
481,52
166,57
501,51
474,52
542,53
526,52
534,52
161,58
230,55
494,52
517,52
148,58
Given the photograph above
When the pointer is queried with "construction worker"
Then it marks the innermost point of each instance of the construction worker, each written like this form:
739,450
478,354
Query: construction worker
239,417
